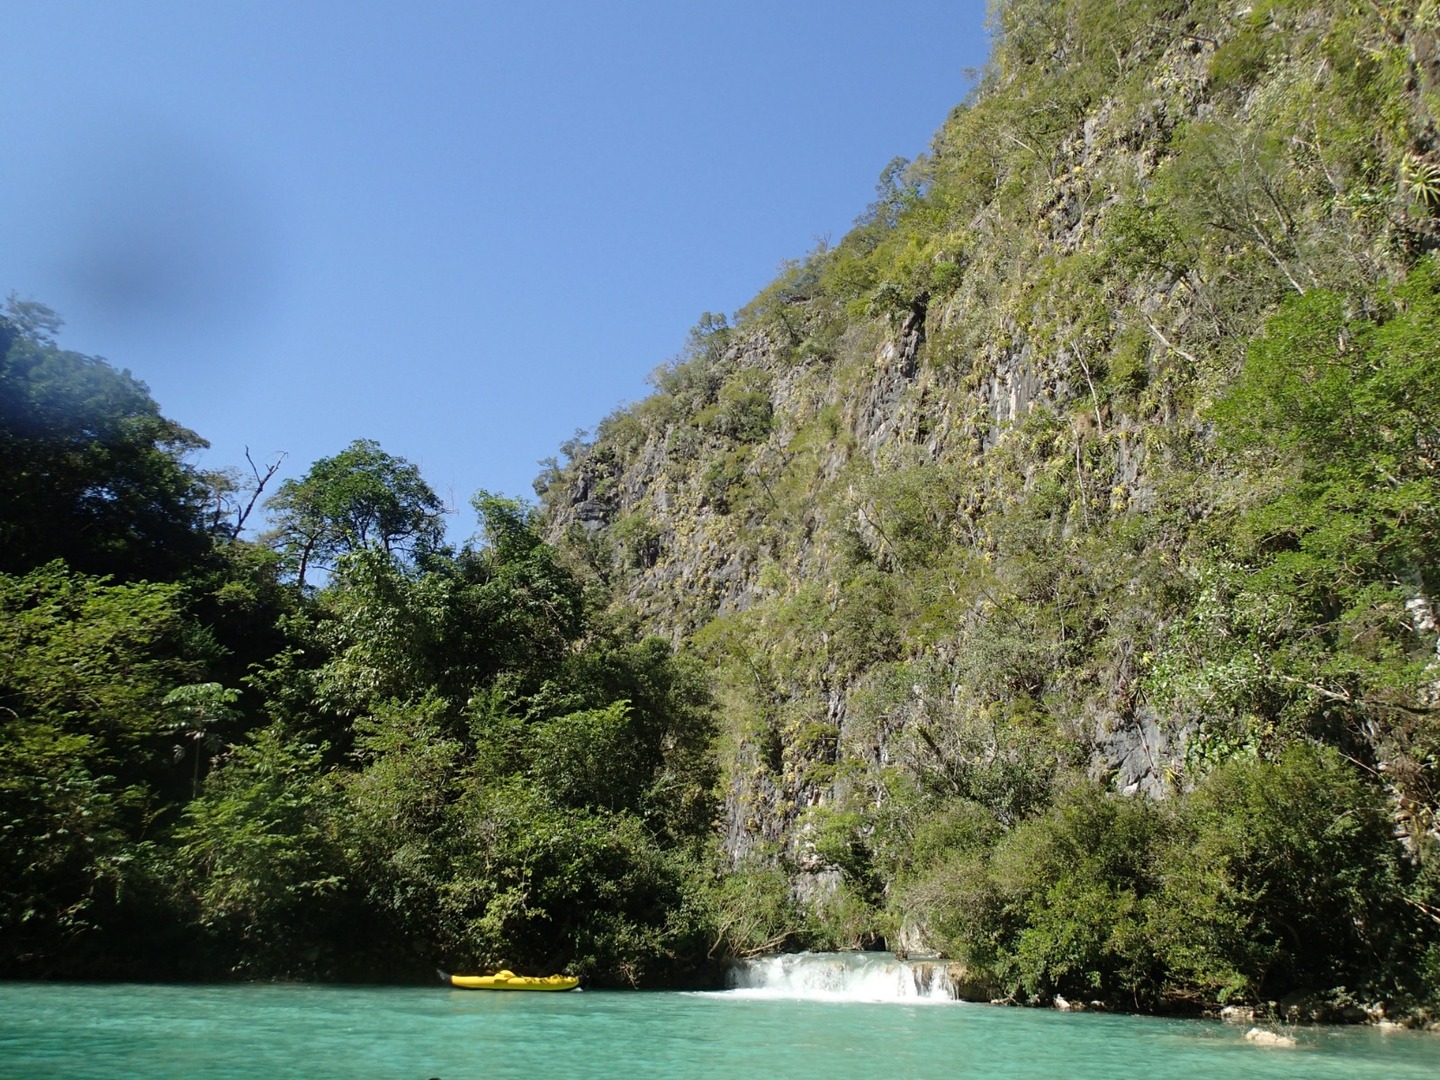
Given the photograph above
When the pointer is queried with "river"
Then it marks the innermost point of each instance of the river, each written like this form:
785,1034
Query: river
784,1029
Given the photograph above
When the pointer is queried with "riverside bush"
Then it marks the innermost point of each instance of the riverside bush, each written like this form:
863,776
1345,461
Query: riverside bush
1280,875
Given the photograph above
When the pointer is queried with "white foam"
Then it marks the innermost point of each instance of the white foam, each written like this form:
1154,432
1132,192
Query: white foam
853,976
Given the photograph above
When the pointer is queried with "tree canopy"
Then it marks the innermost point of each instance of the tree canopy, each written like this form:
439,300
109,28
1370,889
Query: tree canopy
360,497
94,474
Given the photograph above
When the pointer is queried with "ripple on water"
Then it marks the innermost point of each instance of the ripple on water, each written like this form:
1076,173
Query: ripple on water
222,1032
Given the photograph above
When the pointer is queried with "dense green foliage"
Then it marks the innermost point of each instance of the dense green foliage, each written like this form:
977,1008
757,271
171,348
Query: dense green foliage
437,756
1268,876
93,475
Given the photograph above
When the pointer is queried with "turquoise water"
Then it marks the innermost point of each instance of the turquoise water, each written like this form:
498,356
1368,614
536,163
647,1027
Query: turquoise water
211,1032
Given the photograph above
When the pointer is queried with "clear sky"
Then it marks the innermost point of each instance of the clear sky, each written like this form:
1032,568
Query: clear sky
462,229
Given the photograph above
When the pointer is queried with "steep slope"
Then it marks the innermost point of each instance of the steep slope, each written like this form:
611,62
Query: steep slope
1006,489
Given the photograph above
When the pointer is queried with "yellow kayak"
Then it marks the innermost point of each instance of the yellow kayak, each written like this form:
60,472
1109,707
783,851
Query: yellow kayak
508,980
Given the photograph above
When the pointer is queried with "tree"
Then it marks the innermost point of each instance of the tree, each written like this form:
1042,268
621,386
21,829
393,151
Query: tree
83,754
1284,875
258,856
93,473
30,319
1315,615
360,498
199,708
232,497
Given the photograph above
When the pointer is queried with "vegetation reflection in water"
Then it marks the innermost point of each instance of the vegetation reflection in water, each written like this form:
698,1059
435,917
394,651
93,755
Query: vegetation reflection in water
212,1032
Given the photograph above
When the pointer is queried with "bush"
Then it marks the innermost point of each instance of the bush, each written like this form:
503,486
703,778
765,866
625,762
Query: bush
1055,906
1072,887
1282,875
752,910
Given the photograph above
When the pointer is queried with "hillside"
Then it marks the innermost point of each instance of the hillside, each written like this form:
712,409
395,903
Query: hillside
1096,460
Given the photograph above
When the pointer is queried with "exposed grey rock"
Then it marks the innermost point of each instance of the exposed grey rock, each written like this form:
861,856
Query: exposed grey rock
1138,754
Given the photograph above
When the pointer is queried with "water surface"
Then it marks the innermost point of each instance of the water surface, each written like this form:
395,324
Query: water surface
213,1032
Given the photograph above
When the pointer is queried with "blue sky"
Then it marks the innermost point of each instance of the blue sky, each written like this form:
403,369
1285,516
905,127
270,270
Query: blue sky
462,229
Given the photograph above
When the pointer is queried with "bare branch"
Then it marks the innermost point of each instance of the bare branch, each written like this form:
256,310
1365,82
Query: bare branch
1167,342
260,482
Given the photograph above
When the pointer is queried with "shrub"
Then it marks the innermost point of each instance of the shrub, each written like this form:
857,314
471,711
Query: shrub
1281,875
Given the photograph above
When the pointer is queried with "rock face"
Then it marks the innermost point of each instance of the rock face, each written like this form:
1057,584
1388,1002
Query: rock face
683,550
926,508
964,983
1138,756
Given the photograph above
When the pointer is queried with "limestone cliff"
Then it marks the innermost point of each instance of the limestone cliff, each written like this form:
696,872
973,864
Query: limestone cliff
938,508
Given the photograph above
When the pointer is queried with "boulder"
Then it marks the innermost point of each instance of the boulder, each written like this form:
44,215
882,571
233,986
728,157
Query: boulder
1266,1037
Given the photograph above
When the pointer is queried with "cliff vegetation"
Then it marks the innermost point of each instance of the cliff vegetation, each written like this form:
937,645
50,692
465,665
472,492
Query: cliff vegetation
1062,541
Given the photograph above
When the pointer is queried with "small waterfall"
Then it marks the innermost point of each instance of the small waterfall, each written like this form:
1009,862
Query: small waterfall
847,976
